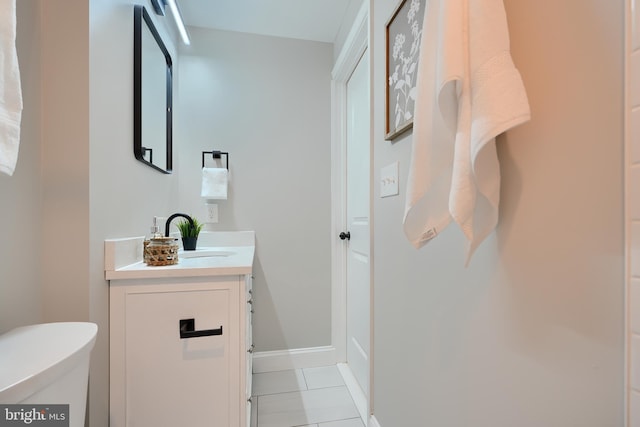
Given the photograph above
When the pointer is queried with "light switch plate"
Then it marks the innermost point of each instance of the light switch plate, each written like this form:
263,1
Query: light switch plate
389,180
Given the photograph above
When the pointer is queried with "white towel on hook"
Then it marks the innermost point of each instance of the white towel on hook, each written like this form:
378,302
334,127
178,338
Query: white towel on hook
478,95
495,102
214,183
440,71
10,89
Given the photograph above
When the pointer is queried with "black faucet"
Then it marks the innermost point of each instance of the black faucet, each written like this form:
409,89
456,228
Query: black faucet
168,223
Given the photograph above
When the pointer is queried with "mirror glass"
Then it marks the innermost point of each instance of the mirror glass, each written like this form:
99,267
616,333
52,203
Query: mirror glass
152,98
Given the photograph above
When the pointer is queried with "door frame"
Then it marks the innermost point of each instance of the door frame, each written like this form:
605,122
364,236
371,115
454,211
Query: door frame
356,44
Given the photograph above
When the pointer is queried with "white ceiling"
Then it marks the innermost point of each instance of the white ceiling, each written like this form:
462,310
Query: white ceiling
317,20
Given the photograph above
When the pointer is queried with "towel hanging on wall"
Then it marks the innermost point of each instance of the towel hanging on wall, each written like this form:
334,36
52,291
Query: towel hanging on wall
10,89
469,91
214,183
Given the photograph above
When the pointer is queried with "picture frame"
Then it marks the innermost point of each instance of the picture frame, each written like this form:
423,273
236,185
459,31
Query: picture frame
403,36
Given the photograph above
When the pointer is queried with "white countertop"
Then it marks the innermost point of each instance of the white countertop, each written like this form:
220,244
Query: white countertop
233,251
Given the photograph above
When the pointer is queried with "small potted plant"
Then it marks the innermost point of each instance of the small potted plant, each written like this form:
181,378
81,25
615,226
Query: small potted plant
189,233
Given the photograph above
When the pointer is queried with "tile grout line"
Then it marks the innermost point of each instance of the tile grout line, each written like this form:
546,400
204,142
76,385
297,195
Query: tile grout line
306,388
312,389
316,424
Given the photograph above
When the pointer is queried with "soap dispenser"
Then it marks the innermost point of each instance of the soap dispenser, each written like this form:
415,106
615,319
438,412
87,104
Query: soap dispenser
154,232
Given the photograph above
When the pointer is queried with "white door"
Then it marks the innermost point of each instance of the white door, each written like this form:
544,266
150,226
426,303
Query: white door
357,206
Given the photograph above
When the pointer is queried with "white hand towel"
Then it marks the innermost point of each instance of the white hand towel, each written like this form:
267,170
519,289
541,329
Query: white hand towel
214,183
440,72
496,101
10,89
478,94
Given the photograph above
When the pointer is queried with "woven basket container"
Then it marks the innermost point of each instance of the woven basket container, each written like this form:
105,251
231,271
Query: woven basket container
161,251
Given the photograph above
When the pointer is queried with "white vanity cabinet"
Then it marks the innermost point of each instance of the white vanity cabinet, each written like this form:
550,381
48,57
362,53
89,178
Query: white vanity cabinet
180,346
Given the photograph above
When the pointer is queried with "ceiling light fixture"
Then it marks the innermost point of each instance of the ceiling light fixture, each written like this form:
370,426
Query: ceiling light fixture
159,6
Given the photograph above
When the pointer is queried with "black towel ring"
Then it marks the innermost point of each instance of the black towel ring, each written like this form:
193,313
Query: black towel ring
216,155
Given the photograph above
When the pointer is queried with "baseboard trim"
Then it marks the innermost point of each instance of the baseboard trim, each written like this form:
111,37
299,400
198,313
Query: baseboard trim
281,360
373,422
357,394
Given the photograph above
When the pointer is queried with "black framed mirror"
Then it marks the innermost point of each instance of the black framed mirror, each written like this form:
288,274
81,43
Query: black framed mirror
152,94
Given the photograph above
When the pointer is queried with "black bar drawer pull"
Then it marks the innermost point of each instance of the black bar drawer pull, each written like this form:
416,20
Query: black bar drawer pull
188,330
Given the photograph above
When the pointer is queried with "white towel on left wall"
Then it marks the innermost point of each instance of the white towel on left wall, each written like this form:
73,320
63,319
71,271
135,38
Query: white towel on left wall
10,89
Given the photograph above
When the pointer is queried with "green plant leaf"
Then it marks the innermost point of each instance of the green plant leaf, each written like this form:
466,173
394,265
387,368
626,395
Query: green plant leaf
186,230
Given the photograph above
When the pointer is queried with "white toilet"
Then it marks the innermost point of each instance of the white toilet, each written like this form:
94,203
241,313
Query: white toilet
47,364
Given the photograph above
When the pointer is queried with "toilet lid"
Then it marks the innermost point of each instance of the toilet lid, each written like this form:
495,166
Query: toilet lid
32,357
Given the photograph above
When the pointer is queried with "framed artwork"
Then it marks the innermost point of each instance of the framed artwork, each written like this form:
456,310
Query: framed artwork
404,32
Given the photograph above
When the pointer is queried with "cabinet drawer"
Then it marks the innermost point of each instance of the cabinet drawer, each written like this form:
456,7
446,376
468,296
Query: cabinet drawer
172,380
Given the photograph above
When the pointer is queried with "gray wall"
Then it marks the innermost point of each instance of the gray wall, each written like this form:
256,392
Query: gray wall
48,195
65,160
267,102
531,334
21,204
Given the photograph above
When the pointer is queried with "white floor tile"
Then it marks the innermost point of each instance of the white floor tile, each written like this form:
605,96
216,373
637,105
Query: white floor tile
305,407
353,422
326,376
278,382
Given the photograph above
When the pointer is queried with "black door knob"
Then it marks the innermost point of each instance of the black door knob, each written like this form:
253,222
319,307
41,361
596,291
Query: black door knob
346,235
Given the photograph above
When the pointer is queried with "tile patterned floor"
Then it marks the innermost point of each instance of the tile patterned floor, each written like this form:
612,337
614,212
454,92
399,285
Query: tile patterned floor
312,397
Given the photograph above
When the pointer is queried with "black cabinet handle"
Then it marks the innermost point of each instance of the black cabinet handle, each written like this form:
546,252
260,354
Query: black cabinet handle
188,330
344,235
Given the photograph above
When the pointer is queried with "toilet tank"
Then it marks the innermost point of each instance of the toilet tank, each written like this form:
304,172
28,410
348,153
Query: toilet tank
47,364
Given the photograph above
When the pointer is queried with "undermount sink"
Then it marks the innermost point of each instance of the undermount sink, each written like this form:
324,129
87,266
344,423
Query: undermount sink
205,252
